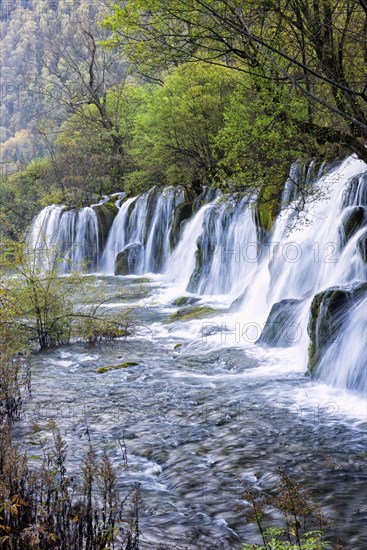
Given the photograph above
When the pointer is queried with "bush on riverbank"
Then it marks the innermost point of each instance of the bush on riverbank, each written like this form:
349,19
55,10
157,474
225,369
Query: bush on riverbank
39,308
43,507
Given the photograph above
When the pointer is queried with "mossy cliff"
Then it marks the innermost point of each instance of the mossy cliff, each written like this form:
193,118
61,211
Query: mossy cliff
267,208
328,310
181,214
106,213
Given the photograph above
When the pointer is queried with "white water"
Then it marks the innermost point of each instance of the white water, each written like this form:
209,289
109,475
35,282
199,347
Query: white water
344,363
68,237
229,234
146,220
179,272
307,261
219,254
117,237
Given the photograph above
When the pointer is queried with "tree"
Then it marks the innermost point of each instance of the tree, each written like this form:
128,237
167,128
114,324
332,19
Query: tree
79,74
90,164
22,195
318,49
175,127
258,141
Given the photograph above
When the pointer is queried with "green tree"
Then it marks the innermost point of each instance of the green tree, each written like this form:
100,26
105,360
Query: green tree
85,153
318,48
176,125
23,194
260,137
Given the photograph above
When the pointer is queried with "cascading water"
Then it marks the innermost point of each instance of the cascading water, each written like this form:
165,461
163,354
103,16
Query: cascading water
177,272
219,252
117,237
200,409
344,362
296,265
68,237
145,220
219,269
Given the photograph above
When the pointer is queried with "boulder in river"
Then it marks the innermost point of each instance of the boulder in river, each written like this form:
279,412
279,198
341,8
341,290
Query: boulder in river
281,327
130,260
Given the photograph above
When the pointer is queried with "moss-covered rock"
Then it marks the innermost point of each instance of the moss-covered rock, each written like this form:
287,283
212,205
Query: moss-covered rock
362,246
129,261
324,322
102,370
353,219
182,213
106,213
121,264
177,346
267,208
199,264
185,301
328,310
188,313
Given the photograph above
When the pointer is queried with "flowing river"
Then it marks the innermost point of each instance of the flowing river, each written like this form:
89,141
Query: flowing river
207,405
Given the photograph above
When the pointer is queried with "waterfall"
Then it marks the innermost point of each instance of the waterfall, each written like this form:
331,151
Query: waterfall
178,272
296,265
158,244
229,231
344,363
211,245
299,263
68,237
146,220
292,276
117,237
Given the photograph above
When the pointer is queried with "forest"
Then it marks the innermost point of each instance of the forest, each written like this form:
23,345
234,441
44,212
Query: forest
189,94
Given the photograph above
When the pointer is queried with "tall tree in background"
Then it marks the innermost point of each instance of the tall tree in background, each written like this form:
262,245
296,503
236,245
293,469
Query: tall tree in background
53,66
78,74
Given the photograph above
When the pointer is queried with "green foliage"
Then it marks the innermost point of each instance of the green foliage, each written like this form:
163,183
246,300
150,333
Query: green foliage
317,49
23,194
95,157
42,303
261,135
312,540
38,307
297,509
241,91
175,127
